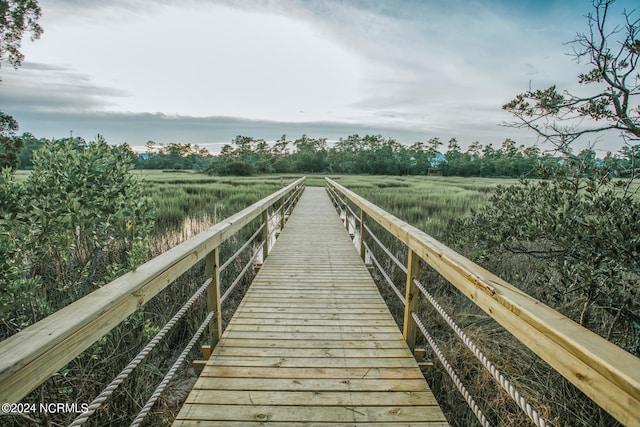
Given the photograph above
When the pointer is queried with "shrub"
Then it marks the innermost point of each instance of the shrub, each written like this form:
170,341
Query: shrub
581,233
78,220
236,168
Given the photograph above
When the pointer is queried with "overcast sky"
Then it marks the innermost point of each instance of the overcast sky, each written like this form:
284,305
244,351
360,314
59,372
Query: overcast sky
204,71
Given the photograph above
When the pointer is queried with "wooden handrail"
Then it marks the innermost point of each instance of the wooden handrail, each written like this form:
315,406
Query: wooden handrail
32,355
603,371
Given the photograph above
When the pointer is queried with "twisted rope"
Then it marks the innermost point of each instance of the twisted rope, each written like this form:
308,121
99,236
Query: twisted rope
506,385
385,275
156,394
400,265
456,380
108,391
240,275
242,248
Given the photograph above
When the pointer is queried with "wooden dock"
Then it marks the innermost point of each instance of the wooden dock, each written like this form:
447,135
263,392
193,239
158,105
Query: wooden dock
312,343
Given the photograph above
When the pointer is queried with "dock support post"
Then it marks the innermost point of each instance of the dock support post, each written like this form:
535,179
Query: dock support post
265,234
212,268
410,328
282,213
363,217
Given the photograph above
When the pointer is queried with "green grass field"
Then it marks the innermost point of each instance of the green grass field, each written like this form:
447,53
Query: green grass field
425,202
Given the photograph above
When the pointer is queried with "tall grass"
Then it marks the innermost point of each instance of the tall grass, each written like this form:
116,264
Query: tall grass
188,195
428,203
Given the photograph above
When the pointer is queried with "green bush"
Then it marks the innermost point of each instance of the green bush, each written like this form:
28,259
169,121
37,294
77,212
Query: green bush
236,168
78,220
581,233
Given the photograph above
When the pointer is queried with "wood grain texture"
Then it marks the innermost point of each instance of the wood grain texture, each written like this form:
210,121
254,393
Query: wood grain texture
312,342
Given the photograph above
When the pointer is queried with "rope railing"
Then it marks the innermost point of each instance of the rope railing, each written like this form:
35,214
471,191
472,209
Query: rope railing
452,373
334,197
352,212
381,245
484,360
240,275
288,203
604,372
108,391
167,378
385,275
436,350
486,363
241,249
276,228
158,392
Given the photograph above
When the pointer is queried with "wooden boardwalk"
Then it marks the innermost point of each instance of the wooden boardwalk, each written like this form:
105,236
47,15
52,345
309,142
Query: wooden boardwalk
312,342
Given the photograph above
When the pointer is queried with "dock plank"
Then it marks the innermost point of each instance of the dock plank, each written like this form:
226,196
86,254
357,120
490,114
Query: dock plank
312,342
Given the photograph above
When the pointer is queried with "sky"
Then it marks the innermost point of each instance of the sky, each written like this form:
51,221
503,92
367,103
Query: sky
198,71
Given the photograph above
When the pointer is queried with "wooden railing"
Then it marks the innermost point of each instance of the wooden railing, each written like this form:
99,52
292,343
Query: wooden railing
603,371
31,356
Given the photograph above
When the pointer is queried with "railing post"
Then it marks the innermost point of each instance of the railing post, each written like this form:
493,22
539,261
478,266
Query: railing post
363,217
282,212
265,234
346,213
411,294
212,268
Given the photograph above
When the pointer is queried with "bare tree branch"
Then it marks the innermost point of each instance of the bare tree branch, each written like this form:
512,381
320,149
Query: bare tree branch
561,118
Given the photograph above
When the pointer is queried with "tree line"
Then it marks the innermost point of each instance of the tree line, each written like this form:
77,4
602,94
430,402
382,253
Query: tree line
377,155
369,154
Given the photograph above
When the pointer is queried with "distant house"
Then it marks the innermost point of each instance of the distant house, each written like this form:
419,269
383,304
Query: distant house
438,159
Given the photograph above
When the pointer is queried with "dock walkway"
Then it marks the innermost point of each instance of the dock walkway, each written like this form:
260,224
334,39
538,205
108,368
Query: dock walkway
313,342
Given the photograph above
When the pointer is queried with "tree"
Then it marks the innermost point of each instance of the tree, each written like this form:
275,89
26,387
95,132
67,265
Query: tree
311,154
30,145
79,218
433,145
10,144
578,229
612,52
16,18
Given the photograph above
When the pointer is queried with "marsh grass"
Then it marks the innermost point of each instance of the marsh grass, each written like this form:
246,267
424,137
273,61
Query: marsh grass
428,203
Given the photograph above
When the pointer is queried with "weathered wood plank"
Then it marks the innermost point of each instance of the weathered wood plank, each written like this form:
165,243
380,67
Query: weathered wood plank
288,352
304,414
311,385
313,362
312,373
312,398
251,321
303,328
313,336
323,344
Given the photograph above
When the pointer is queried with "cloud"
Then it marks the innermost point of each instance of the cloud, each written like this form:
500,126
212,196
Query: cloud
52,87
196,70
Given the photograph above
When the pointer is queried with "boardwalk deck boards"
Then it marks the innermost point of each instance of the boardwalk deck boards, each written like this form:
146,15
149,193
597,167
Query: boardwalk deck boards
312,342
